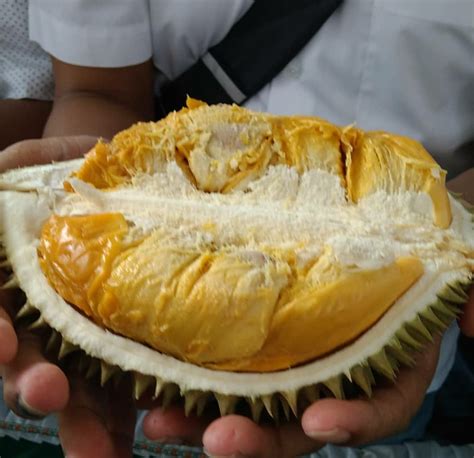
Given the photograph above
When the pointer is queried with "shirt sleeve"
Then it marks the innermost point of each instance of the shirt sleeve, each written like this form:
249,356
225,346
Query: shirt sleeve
109,33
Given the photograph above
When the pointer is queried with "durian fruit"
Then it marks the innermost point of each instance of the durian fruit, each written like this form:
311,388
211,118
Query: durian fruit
227,254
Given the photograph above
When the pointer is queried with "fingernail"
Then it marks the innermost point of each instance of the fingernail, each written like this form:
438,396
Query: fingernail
22,409
332,436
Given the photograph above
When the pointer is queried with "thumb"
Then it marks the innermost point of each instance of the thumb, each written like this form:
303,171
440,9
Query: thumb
45,150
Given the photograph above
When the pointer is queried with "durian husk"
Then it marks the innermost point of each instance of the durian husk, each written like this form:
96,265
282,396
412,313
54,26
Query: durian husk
408,325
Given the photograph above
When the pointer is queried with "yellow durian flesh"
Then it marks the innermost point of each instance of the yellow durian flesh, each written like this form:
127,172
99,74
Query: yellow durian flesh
222,310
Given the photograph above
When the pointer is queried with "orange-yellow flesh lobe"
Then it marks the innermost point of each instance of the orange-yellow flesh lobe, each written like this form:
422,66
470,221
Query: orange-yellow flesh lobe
216,309
392,163
76,254
321,319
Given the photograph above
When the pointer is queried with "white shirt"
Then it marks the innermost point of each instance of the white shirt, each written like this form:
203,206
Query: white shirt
405,66
25,68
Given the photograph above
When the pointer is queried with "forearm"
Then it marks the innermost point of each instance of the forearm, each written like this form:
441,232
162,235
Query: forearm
85,113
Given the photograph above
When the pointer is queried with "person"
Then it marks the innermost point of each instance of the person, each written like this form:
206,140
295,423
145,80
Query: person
345,73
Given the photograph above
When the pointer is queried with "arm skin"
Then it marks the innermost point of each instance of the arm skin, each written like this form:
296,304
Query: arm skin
99,101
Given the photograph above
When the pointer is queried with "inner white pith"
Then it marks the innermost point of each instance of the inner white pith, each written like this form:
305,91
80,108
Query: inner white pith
281,211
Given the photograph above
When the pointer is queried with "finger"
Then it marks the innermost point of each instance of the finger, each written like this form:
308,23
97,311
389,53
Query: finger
8,339
96,423
234,435
466,322
32,386
173,426
386,413
44,151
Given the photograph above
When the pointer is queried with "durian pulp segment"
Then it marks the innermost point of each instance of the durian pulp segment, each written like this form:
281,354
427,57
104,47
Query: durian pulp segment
223,148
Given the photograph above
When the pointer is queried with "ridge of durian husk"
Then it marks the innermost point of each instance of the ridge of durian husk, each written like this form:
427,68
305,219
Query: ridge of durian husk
278,393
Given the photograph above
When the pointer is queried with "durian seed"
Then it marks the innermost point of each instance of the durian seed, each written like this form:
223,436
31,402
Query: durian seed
11,283
170,391
93,368
381,363
66,348
403,335
311,393
37,324
256,407
360,375
159,384
226,403
201,403
190,401
53,341
291,398
140,384
106,371
26,310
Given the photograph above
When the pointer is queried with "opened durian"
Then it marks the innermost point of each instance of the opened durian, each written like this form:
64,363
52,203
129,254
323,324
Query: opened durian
227,252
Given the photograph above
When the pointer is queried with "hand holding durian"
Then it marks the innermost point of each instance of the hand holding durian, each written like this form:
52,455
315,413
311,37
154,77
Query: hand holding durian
275,260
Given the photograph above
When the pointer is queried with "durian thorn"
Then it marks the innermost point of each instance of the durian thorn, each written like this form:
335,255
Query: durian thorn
348,375
381,363
106,371
362,379
416,327
285,407
3,252
37,324
190,401
226,403
396,349
66,348
267,402
170,391
432,315
311,392
11,283
291,397
25,310
256,407
201,403
159,384
93,368
456,296
334,384
404,336
53,340
140,384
